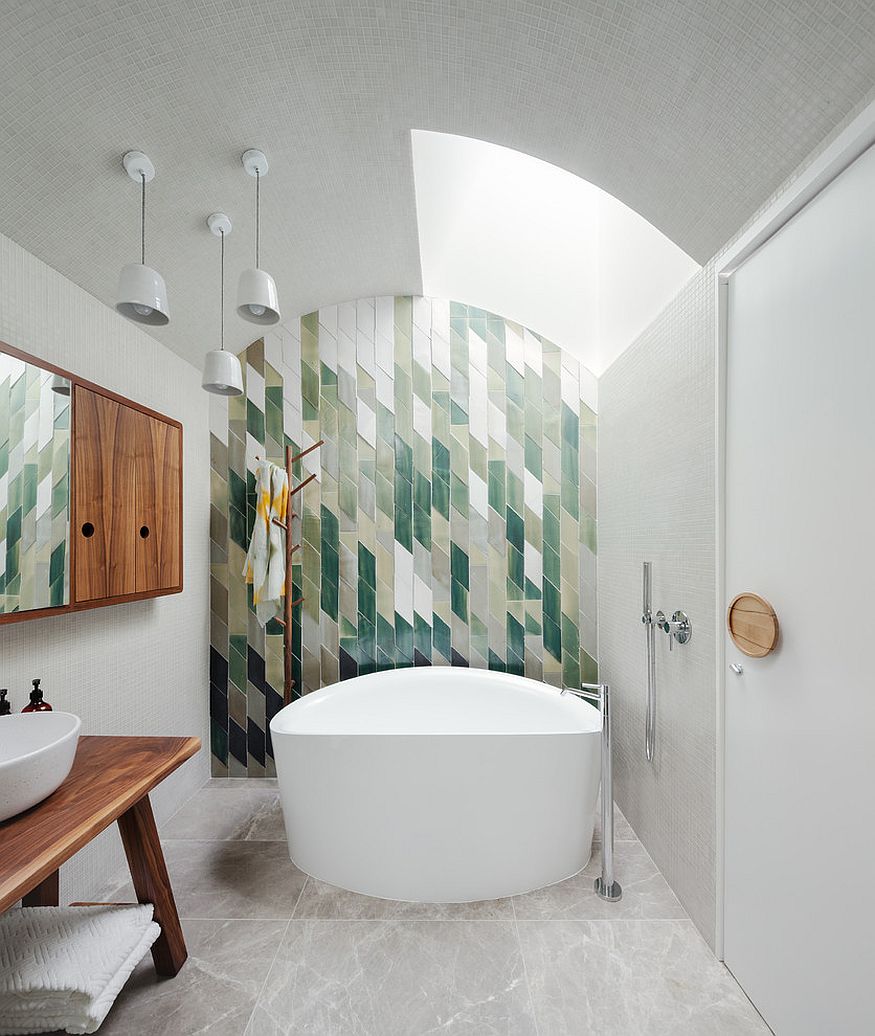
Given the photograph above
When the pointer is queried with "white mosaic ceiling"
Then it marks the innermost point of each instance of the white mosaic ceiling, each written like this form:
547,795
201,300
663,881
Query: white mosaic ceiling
689,111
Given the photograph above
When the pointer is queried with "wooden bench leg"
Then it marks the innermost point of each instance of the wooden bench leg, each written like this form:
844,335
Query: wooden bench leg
47,893
152,885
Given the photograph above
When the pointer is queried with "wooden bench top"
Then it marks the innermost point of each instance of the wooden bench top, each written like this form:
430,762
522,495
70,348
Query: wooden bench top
109,775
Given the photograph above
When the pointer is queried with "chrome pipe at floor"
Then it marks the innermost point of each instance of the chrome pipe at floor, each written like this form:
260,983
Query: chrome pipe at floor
605,885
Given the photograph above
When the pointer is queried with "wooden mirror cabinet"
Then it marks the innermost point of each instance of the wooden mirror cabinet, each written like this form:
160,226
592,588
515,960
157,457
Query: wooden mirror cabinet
107,492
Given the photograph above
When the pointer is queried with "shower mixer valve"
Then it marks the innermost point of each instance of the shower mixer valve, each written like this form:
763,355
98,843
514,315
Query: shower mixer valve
678,627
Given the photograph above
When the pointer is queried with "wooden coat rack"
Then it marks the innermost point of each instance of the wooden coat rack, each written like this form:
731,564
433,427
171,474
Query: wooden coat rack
288,603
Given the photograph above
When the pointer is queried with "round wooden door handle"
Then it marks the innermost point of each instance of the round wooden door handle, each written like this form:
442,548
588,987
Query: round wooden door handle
752,624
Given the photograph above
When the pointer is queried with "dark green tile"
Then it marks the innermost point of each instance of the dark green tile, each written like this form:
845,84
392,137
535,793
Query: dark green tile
403,459
440,496
422,526
403,527
553,638
367,566
440,459
516,530
403,638
459,494
422,635
516,569
497,497
441,636
422,491
459,599
56,563
254,421
552,604
496,663
516,637
459,565
367,601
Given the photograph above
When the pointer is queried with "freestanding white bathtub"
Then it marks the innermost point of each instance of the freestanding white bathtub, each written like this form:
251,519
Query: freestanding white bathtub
438,784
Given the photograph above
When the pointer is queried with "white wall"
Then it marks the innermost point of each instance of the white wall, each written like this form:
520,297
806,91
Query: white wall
656,503
657,471
138,668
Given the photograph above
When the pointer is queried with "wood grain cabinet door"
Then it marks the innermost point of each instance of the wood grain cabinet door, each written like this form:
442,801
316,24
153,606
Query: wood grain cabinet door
127,500
104,497
158,464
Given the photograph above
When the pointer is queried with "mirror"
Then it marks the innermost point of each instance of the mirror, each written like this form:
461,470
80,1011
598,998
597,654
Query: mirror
34,486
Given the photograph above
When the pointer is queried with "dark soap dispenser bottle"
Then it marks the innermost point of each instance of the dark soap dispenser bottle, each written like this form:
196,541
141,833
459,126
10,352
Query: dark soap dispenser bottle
37,702
5,705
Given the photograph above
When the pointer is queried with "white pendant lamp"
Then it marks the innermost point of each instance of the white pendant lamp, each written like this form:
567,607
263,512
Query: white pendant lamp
142,296
257,299
222,373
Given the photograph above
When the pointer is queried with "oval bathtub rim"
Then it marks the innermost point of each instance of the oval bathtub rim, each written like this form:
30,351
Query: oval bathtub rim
592,721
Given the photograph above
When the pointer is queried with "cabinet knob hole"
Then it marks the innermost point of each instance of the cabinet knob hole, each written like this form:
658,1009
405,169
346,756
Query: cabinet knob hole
87,529
144,531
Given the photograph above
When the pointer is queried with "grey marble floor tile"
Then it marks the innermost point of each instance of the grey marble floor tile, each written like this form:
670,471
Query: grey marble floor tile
236,809
229,879
646,894
215,991
319,899
396,978
647,978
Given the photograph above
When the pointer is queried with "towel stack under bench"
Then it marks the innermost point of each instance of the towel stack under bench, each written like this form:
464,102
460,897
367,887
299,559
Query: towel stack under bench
63,967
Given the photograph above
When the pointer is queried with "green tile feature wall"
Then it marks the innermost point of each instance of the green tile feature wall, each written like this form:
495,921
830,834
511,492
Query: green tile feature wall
452,521
34,488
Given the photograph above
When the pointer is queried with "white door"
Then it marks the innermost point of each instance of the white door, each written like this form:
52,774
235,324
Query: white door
800,531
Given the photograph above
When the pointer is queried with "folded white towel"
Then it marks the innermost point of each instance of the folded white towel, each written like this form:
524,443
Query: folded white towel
63,967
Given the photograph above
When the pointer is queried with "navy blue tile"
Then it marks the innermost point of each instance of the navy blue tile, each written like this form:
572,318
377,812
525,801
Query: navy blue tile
255,741
348,666
237,742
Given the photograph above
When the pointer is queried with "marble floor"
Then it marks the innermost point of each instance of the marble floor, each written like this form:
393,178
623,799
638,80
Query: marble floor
274,951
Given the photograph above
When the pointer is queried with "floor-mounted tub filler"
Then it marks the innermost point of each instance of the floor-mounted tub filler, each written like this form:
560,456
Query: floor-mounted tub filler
440,784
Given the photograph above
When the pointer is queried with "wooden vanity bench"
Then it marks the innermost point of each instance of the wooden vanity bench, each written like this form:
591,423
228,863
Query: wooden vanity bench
110,781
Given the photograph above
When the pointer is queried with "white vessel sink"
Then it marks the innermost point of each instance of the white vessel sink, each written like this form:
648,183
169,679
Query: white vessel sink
36,754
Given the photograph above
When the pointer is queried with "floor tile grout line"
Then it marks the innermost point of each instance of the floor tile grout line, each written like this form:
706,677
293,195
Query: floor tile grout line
279,946
519,943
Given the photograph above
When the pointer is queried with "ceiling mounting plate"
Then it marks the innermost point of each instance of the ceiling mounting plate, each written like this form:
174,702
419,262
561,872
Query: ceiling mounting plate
138,166
219,224
255,162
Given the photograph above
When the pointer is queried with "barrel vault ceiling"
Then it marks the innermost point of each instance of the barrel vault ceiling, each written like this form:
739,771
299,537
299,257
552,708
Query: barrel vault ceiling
689,111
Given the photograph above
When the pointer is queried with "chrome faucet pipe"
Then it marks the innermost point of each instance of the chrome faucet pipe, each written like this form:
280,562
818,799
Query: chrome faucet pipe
605,885
650,661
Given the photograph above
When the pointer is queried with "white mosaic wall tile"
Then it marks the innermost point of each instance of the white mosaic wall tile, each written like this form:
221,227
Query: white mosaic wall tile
136,668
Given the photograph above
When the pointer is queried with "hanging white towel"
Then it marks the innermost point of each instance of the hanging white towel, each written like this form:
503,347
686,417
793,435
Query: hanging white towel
265,566
63,967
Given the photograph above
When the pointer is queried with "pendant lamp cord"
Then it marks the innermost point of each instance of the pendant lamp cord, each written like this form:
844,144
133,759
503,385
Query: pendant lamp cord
222,310
142,219
257,216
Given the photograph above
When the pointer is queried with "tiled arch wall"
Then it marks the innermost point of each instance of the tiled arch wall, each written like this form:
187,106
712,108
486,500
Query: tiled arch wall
452,522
